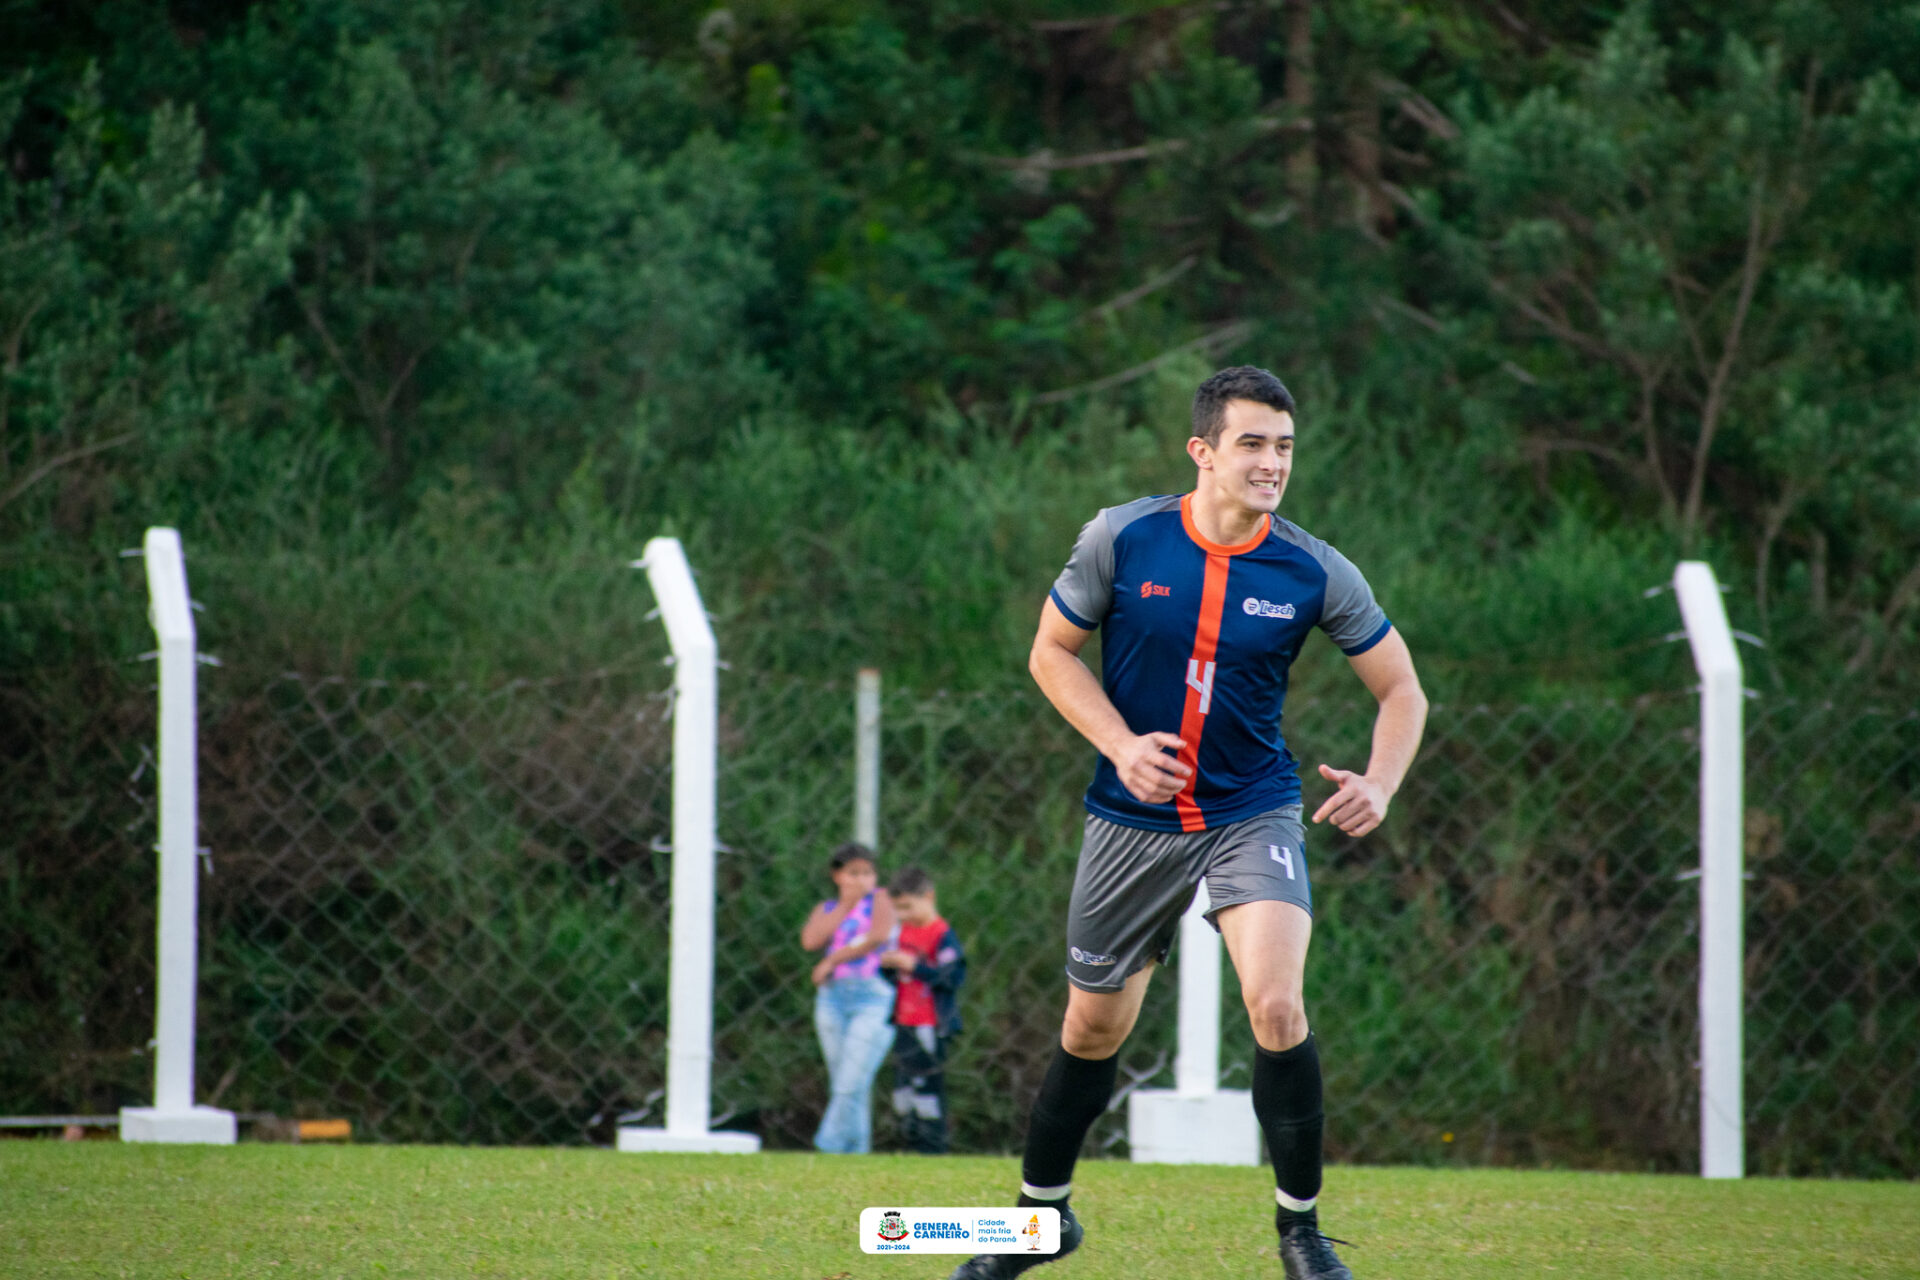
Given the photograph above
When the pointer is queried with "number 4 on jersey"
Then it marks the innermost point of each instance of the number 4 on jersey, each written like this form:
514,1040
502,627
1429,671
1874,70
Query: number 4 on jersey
1200,680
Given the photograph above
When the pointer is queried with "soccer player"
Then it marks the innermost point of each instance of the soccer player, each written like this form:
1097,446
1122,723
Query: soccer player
1203,602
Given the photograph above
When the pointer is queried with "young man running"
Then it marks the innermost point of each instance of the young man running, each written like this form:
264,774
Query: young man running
1203,603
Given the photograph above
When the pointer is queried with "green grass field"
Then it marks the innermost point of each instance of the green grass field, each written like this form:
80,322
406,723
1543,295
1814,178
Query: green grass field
102,1209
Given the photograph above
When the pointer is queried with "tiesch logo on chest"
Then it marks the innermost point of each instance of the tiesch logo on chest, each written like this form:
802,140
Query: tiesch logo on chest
1254,607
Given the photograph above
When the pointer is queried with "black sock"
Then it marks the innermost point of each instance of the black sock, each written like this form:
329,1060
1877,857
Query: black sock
1072,1096
1287,1099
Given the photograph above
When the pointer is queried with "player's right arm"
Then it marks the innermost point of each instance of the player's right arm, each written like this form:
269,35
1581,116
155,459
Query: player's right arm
1146,771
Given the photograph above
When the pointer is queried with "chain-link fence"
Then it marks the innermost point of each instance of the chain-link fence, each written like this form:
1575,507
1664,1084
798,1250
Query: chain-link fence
441,911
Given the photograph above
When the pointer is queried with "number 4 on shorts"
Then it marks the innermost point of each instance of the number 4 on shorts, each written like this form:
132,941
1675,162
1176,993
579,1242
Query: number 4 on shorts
1283,855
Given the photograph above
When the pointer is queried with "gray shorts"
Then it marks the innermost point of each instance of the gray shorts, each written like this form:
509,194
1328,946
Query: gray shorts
1132,886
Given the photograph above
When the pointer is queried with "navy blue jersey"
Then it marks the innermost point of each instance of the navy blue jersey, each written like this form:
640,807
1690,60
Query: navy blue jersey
1197,638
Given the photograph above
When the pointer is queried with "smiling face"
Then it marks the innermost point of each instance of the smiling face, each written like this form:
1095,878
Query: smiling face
915,908
1247,468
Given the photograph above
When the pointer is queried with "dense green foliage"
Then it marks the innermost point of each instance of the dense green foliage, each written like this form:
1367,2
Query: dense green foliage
876,302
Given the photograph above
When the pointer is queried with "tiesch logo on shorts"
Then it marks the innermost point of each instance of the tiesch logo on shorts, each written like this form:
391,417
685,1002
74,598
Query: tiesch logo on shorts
1254,607
1090,957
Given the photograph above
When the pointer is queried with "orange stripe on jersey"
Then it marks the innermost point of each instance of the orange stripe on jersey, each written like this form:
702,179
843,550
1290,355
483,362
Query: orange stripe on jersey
1200,671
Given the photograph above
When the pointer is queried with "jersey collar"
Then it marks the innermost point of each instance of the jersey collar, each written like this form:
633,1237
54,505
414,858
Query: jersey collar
1216,548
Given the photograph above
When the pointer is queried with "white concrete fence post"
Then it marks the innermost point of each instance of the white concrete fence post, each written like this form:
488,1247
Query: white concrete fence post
1196,1065
866,758
1196,1122
695,808
1722,870
173,1117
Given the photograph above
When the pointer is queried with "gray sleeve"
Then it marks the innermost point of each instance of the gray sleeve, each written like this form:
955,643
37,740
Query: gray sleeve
1350,616
1084,589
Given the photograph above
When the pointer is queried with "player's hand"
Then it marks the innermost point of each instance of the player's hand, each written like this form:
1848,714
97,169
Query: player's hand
901,960
1148,773
1357,807
821,972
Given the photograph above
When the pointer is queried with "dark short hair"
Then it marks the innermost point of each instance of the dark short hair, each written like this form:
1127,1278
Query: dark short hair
910,880
851,851
1242,382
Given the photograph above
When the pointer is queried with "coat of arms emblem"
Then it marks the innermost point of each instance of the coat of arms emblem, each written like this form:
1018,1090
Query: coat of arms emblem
893,1226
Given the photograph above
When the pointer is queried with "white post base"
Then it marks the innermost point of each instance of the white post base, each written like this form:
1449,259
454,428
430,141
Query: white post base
726,1142
1165,1127
208,1125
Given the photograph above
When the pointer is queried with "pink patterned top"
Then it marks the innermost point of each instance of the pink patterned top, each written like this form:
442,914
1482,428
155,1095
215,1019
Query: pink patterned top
854,928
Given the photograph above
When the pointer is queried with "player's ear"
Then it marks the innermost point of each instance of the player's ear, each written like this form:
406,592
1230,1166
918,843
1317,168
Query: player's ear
1201,452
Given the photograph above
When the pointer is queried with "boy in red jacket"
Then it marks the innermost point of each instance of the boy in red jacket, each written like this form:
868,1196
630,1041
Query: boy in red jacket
928,966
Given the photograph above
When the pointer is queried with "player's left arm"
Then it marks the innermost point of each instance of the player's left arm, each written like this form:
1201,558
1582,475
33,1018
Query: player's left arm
1361,803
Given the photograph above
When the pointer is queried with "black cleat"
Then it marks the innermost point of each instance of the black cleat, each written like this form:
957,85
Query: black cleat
1002,1266
1308,1255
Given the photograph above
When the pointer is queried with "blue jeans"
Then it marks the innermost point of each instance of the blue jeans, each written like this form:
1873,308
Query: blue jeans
854,1018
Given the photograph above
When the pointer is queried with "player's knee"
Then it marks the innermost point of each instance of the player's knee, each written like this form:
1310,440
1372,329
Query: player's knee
1089,1034
1279,1019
